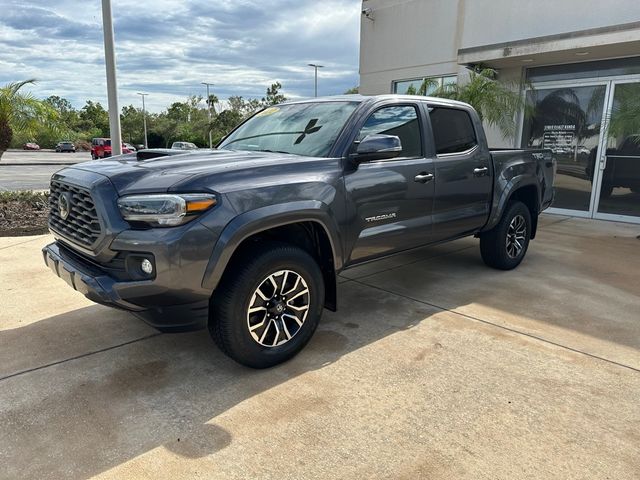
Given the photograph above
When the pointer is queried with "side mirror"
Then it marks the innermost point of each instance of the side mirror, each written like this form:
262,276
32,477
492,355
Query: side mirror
378,147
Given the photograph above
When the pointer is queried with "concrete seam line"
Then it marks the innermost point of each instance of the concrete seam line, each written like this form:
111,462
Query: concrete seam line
559,221
509,329
22,243
106,349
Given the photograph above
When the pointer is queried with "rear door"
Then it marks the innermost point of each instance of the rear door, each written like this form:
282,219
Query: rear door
463,173
390,200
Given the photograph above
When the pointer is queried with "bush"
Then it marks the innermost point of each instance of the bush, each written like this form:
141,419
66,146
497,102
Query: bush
23,213
82,145
27,197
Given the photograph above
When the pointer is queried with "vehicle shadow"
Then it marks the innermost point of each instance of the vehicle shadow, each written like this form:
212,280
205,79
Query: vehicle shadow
84,415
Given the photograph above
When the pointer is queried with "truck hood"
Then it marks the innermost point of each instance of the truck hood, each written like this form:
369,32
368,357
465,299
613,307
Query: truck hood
129,175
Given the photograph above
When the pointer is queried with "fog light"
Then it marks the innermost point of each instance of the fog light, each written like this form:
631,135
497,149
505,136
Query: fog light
146,266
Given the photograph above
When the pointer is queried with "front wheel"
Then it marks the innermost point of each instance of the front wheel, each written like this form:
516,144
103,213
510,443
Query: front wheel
268,305
504,246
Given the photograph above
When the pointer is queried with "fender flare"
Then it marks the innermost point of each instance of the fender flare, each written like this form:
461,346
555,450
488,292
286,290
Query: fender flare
500,202
264,218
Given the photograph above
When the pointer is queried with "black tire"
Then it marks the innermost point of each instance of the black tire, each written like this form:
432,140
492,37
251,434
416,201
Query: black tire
495,249
230,320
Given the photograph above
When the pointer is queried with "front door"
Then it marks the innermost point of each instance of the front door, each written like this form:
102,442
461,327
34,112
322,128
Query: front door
391,200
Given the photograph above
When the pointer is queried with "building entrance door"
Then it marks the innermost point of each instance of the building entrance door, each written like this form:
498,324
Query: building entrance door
619,162
593,129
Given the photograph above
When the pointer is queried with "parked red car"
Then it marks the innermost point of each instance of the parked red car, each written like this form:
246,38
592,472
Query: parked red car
31,146
101,148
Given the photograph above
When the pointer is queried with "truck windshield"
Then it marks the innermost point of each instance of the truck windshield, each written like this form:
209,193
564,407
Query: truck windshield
308,129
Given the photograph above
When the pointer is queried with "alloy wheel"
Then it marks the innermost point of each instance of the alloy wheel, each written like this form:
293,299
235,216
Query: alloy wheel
278,308
516,235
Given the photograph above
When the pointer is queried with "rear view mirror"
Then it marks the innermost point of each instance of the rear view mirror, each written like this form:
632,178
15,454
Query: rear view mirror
378,147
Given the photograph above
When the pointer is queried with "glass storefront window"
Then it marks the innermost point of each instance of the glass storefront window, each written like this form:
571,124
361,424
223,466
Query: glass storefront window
567,121
424,85
620,188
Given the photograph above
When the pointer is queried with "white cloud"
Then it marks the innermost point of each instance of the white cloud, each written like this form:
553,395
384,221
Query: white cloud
167,47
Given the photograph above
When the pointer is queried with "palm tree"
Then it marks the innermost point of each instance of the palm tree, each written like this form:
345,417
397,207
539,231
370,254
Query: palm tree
21,112
625,113
497,103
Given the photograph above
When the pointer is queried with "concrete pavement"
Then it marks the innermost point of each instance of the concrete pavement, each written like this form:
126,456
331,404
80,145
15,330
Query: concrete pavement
434,367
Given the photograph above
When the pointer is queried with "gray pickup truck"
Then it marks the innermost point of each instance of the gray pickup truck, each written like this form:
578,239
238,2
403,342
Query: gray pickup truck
247,239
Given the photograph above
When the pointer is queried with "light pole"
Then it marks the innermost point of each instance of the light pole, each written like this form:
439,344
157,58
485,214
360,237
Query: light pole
315,68
112,85
144,119
209,110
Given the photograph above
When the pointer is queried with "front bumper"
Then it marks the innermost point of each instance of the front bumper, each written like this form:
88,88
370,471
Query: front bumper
99,287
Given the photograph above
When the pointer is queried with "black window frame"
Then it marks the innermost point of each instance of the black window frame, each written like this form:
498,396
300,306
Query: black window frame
432,106
421,130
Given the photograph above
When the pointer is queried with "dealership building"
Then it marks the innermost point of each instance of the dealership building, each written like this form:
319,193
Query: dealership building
575,62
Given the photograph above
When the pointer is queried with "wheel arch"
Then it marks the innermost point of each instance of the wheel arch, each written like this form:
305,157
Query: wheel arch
306,224
523,189
530,196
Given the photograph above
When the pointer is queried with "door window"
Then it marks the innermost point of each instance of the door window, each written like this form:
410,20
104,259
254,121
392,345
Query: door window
401,121
453,130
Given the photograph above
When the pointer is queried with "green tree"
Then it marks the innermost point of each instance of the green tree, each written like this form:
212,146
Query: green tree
353,90
131,123
273,95
22,113
624,120
67,114
497,103
93,117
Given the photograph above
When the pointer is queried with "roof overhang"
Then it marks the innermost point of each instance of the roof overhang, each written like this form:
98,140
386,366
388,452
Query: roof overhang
599,43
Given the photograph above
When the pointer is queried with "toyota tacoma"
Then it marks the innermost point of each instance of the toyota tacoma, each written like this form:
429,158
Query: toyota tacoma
247,239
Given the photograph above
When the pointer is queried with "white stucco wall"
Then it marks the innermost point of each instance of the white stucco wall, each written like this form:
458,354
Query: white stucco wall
495,21
414,38
406,39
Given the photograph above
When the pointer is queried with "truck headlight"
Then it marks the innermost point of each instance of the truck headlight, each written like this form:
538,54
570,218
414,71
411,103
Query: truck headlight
164,210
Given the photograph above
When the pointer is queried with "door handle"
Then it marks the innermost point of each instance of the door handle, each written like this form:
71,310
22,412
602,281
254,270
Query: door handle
603,162
478,172
424,177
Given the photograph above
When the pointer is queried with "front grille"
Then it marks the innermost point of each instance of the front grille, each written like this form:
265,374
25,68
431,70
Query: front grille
82,225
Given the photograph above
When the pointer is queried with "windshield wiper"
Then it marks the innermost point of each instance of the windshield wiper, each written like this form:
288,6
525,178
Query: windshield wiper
274,151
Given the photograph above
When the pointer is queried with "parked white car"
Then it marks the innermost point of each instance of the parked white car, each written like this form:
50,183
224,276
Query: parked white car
184,146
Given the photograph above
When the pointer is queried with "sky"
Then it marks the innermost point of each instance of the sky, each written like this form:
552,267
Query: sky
167,47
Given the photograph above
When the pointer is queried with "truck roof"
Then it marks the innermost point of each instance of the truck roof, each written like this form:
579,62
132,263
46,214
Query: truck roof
374,98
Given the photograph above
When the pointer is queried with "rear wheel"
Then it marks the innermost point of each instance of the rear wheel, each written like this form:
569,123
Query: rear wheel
504,246
267,306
